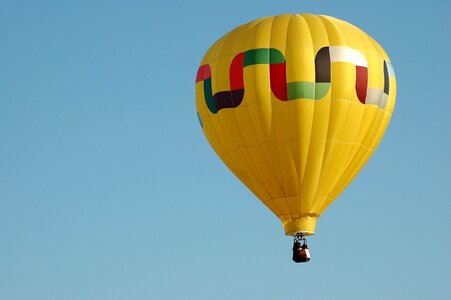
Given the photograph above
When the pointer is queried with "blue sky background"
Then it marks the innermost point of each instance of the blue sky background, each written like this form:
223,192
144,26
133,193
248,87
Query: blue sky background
109,190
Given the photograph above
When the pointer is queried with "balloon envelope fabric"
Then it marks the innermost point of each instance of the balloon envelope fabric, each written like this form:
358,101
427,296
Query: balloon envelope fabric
295,105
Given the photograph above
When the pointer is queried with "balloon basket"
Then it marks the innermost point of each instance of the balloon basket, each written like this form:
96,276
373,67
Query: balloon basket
301,252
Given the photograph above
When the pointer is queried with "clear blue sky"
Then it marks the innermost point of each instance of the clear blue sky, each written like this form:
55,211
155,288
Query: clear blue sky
109,190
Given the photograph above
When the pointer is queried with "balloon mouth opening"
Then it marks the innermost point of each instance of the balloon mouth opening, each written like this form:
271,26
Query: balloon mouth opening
300,233
302,226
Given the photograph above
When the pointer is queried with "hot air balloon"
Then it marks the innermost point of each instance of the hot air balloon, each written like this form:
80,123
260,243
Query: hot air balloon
295,105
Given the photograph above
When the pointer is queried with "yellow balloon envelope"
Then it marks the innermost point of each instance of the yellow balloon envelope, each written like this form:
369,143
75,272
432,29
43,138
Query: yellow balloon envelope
295,105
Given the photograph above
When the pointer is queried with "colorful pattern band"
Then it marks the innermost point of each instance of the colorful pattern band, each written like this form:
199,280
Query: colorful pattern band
286,91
